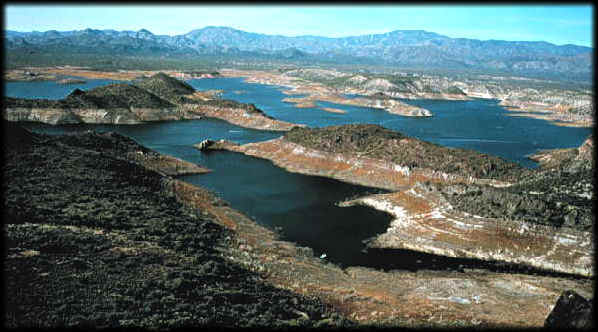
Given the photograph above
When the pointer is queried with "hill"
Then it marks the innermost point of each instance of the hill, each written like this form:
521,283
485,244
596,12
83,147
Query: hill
165,86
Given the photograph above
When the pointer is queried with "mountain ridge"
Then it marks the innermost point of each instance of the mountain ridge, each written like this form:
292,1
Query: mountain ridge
406,48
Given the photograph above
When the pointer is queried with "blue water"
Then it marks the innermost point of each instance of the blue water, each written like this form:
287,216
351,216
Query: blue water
304,206
480,124
49,89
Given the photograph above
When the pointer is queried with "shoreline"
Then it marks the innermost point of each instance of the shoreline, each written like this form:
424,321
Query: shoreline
411,299
424,221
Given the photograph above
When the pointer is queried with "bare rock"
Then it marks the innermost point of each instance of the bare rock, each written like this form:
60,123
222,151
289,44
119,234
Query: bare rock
571,311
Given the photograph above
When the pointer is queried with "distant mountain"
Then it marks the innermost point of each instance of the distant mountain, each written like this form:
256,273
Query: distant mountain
405,48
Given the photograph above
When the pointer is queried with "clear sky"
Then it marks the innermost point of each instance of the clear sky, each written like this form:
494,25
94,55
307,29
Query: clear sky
557,24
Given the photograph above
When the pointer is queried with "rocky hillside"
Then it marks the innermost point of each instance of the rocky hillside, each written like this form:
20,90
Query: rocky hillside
567,158
94,241
559,193
165,87
553,198
377,142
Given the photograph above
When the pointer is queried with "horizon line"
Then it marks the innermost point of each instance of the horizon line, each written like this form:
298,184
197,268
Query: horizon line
299,36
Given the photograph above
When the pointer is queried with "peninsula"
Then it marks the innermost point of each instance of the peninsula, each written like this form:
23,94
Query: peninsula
155,98
452,202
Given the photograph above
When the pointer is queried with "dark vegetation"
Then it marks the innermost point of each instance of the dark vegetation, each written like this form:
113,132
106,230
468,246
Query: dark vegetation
92,240
378,142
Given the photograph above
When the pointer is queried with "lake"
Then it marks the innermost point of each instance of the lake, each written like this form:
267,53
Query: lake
304,206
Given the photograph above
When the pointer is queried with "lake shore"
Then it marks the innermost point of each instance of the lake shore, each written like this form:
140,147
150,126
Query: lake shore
424,220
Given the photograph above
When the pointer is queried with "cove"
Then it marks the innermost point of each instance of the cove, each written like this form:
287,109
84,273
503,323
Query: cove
302,206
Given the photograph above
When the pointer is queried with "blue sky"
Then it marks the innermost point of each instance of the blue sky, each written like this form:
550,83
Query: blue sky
557,24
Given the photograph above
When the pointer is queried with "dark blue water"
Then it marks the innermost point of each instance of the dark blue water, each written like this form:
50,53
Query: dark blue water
304,206
49,89
479,124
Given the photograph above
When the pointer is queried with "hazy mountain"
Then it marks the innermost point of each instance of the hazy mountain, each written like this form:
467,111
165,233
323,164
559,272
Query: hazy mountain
406,48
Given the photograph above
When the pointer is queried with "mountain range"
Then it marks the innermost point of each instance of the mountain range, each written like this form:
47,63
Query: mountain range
401,48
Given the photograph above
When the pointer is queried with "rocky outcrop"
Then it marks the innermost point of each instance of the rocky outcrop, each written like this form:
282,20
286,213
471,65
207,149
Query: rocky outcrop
567,158
112,104
390,105
571,311
204,144
377,142
385,103
166,87
560,198
119,146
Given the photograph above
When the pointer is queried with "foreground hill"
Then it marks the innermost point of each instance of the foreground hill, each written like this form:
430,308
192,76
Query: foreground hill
94,239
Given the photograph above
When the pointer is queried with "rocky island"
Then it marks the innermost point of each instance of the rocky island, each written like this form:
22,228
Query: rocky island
451,202
156,98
